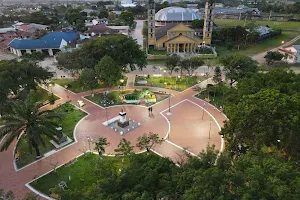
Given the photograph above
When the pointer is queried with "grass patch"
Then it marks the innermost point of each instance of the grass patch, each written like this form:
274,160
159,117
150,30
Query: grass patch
75,86
173,83
157,52
71,117
40,95
272,24
82,173
216,93
265,45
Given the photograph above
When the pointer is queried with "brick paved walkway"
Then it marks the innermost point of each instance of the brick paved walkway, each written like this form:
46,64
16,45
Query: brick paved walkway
184,128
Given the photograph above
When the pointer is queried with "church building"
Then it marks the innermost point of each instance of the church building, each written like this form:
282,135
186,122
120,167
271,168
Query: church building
169,29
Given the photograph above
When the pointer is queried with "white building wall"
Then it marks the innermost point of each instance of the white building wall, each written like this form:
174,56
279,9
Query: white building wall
28,51
19,53
50,52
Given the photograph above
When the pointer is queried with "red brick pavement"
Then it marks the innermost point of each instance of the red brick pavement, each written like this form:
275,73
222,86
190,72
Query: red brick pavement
187,130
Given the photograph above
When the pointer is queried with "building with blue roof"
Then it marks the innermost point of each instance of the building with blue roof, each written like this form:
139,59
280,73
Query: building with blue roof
49,44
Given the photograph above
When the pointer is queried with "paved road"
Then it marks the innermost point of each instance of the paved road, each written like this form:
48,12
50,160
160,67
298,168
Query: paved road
137,33
188,127
260,57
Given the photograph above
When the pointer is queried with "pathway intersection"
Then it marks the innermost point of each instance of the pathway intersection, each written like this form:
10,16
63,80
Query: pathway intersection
191,123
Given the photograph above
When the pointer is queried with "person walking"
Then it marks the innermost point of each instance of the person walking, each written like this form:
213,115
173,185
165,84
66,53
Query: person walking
151,109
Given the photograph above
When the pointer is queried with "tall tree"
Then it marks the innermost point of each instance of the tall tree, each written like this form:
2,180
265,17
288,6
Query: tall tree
172,62
217,77
127,18
237,66
124,148
264,118
25,119
122,49
147,141
88,79
108,71
100,145
197,24
273,56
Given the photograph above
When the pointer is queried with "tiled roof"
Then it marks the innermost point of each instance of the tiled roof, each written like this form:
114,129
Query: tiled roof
101,28
297,47
50,41
162,31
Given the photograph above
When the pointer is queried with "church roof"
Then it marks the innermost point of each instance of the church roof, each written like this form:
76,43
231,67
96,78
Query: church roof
162,31
176,14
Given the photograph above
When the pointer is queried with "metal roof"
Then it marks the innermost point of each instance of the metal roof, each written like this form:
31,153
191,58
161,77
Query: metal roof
176,14
50,41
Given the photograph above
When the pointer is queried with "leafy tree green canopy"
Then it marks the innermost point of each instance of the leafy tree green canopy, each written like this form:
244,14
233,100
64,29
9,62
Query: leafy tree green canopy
237,66
122,49
264,118
108,71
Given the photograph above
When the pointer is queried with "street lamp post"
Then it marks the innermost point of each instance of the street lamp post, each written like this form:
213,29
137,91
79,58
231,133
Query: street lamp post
67,92
122,81
203,110
209,128
105,106
169,103
50,85
89,140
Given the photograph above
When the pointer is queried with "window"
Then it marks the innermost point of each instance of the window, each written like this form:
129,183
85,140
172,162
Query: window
151,35
180,33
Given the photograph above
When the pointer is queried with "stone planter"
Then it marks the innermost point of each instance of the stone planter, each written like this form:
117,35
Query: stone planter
132,101
150,100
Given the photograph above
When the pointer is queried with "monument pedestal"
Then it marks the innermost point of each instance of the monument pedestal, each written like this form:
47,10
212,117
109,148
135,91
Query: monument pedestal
122,121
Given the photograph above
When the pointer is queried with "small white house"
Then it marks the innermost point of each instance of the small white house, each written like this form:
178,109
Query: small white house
292,53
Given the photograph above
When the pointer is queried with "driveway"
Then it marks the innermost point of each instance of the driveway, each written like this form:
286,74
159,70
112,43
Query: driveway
137,33
260,57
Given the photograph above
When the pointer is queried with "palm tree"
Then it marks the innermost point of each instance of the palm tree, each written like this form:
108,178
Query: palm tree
100,145
26,118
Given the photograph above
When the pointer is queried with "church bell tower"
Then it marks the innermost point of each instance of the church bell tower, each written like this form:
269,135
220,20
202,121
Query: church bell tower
151,24
208,22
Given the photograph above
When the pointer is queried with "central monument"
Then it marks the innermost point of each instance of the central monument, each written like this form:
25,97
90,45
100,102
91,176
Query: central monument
123,122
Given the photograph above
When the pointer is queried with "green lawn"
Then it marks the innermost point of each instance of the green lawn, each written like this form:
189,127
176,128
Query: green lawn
297,42
82,173
260,47
174,83
41,95
217,95
271,24
157,52
75,86
70,119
